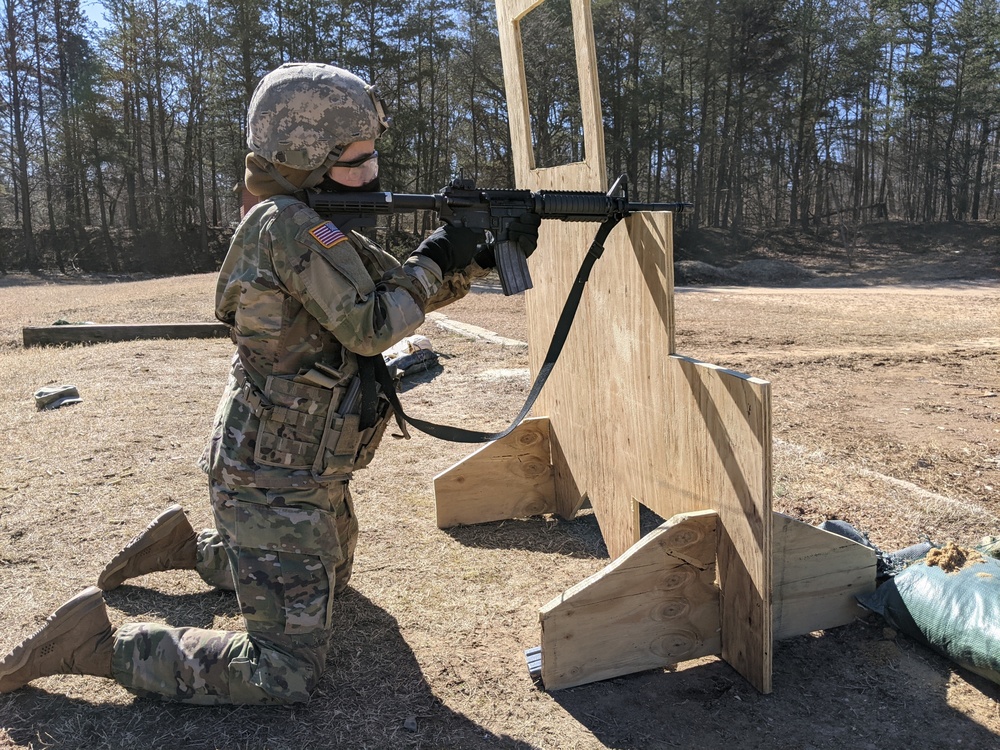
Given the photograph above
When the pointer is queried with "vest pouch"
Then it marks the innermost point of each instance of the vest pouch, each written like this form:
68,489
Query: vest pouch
340,446
371,437
346,447
292,427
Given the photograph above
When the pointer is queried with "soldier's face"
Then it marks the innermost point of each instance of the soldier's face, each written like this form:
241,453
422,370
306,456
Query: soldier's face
357,165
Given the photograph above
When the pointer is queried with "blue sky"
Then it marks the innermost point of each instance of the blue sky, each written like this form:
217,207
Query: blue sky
94,11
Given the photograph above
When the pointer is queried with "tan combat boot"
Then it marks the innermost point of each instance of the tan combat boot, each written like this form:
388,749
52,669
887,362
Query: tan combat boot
76,639
168,543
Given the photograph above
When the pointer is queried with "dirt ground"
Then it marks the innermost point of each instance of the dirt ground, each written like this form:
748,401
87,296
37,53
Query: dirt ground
886,388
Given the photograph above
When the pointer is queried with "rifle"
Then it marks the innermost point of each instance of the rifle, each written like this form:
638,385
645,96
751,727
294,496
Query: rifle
463,204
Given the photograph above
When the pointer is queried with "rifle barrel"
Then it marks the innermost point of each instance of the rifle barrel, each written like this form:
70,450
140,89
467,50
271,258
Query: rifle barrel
678,207
572,205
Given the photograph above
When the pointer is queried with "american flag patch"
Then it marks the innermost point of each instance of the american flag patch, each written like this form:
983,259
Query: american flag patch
327,234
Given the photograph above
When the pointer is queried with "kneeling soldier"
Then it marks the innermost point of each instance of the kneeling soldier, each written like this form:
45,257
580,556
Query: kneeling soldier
308,306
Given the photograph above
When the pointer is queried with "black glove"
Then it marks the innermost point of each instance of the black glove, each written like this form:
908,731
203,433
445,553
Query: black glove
452,248
523,230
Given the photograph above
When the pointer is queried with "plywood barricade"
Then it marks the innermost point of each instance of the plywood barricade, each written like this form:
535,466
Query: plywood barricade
629,421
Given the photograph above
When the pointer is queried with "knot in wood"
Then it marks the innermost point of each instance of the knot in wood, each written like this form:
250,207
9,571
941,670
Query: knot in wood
671,610
677,578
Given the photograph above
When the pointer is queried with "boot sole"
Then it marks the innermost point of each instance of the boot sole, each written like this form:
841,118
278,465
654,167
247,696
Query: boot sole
58,623
165,522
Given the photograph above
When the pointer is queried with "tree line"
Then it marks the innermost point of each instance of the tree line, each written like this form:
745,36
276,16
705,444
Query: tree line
121,141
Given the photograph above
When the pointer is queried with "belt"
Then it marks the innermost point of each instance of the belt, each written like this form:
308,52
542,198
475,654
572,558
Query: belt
251,394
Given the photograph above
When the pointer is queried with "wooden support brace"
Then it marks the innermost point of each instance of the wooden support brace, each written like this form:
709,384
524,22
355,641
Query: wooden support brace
659,603
96,334
508,478
817,575
654,606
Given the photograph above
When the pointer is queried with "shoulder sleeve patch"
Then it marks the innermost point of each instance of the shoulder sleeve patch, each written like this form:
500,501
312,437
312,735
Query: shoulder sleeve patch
338,254
327,234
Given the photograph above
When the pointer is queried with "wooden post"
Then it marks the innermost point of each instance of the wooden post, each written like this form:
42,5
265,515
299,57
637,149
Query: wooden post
96,334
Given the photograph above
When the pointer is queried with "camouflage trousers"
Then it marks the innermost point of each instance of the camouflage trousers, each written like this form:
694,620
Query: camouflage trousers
279,550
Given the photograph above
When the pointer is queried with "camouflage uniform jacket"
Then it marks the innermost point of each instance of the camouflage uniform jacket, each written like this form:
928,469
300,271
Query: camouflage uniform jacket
302,300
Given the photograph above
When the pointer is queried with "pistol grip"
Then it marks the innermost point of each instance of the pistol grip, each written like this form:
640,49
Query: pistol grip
512,267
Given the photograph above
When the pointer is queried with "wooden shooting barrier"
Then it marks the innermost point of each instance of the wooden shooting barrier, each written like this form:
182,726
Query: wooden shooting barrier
629,421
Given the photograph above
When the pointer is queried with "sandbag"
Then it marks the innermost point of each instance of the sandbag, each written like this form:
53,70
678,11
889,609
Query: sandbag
954,609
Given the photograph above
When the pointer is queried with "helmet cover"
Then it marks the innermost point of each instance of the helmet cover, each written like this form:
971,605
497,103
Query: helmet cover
303,114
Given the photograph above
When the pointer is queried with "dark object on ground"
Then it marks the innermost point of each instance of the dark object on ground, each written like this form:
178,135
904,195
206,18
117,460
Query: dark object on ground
887,563
418,361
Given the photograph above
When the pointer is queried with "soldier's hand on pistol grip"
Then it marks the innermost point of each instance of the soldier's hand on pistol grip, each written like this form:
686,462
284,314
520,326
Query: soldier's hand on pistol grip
452,248
523,230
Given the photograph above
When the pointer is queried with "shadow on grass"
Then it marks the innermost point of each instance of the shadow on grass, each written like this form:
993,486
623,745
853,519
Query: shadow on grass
196,610
418,379
579,538
371,695
847,687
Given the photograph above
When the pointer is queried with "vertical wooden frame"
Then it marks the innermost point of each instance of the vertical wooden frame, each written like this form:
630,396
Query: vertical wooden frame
629,419
590,171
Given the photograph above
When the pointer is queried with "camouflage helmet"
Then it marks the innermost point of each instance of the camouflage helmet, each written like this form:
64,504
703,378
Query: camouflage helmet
302,115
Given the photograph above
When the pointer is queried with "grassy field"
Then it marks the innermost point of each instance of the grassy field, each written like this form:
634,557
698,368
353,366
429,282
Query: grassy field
886,415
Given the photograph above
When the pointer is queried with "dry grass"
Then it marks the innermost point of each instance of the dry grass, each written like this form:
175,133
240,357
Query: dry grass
435,625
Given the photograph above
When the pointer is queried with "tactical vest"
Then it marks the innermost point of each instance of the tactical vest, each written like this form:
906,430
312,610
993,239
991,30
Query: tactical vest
312,421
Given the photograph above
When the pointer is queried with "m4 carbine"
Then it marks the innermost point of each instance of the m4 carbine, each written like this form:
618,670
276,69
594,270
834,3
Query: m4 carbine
463,204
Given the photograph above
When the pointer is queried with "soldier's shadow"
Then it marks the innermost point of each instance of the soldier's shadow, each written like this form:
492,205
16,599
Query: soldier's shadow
196,610
373,694
421,377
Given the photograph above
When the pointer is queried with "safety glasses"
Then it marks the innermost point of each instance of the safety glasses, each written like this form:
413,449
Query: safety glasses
358,171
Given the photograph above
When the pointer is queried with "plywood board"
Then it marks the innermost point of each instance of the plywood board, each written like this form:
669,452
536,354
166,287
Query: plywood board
591,169
654,606
509,478
817,576
631,420
556,273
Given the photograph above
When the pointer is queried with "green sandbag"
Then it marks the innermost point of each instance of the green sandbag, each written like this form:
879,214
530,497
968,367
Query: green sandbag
957,614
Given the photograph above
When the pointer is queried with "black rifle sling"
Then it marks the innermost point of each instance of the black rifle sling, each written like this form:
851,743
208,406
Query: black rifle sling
367,371
566,317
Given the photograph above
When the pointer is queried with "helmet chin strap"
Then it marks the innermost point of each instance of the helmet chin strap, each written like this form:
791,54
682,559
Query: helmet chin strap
316,176
312,180
279,178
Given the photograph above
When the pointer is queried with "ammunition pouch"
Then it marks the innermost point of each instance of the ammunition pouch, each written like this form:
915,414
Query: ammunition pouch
311,427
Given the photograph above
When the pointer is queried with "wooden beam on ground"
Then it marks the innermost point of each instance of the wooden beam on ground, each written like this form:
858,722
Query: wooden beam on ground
97,334
473,332
508,478
654,606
